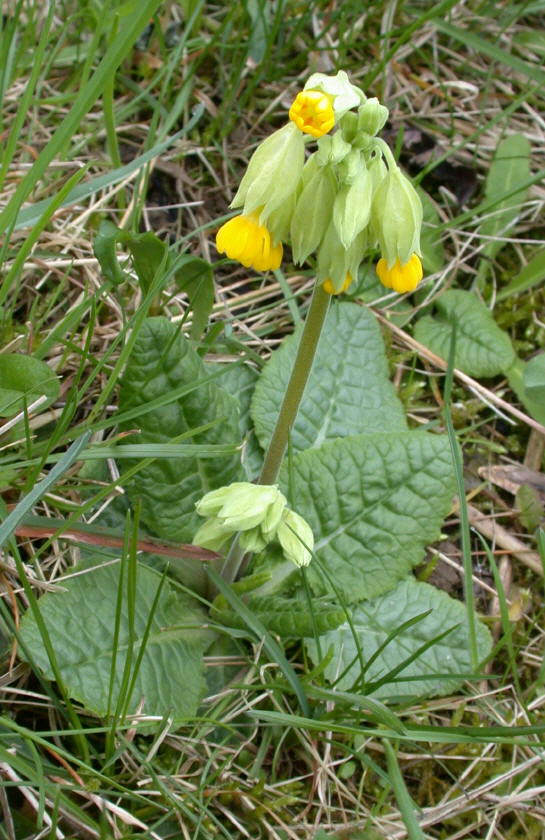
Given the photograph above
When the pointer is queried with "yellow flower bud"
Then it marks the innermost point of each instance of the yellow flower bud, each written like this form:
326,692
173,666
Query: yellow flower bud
312,112
245,240
330,288
400,278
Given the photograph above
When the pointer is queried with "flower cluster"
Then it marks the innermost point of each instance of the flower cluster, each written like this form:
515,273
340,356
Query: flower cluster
260,515
347,197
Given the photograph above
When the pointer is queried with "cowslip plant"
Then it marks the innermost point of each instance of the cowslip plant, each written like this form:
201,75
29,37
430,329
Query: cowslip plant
319,545
348,196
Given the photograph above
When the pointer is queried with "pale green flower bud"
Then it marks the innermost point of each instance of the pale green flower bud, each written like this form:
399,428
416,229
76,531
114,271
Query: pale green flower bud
356,252
332,261
252,540
345,94
273,172
213,535
296,538
372,116
397,217
272,518
239,506
332,148
352,207
279,221
313,209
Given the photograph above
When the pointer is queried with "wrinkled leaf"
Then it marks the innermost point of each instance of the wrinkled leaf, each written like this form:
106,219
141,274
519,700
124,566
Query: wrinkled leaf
373,502
375,620
161,360
482,348
288,617
25,378
348,392
80,619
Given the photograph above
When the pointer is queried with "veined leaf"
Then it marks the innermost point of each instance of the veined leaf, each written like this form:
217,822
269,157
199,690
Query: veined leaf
348,391
482,348
162,359
373,502
288,617
81,620
375,621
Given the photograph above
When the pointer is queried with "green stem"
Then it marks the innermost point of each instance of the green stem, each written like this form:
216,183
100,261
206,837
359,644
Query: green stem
235,562
298,379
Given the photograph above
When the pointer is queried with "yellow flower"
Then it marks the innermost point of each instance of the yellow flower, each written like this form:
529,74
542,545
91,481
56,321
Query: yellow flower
312,112
400,278
245,240
330,288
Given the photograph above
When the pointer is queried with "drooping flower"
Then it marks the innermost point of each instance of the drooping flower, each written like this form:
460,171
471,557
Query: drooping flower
312,112
272,174
397,217
330,288
400,277
246,240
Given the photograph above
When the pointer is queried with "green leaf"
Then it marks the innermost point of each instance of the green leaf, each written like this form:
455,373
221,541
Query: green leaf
482,348
510,167
194,276
373,502
376,620
534,378
80,619
348,391
287,617
516,373
531,275
162,360
25,378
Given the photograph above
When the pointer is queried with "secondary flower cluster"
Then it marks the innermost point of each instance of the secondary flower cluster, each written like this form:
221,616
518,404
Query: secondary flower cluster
348,196
260,515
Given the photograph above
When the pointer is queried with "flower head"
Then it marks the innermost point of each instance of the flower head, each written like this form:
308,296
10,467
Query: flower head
244,239
312,112
400,277
259,514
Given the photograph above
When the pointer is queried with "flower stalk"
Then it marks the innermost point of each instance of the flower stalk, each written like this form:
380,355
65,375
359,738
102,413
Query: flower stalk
294,392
